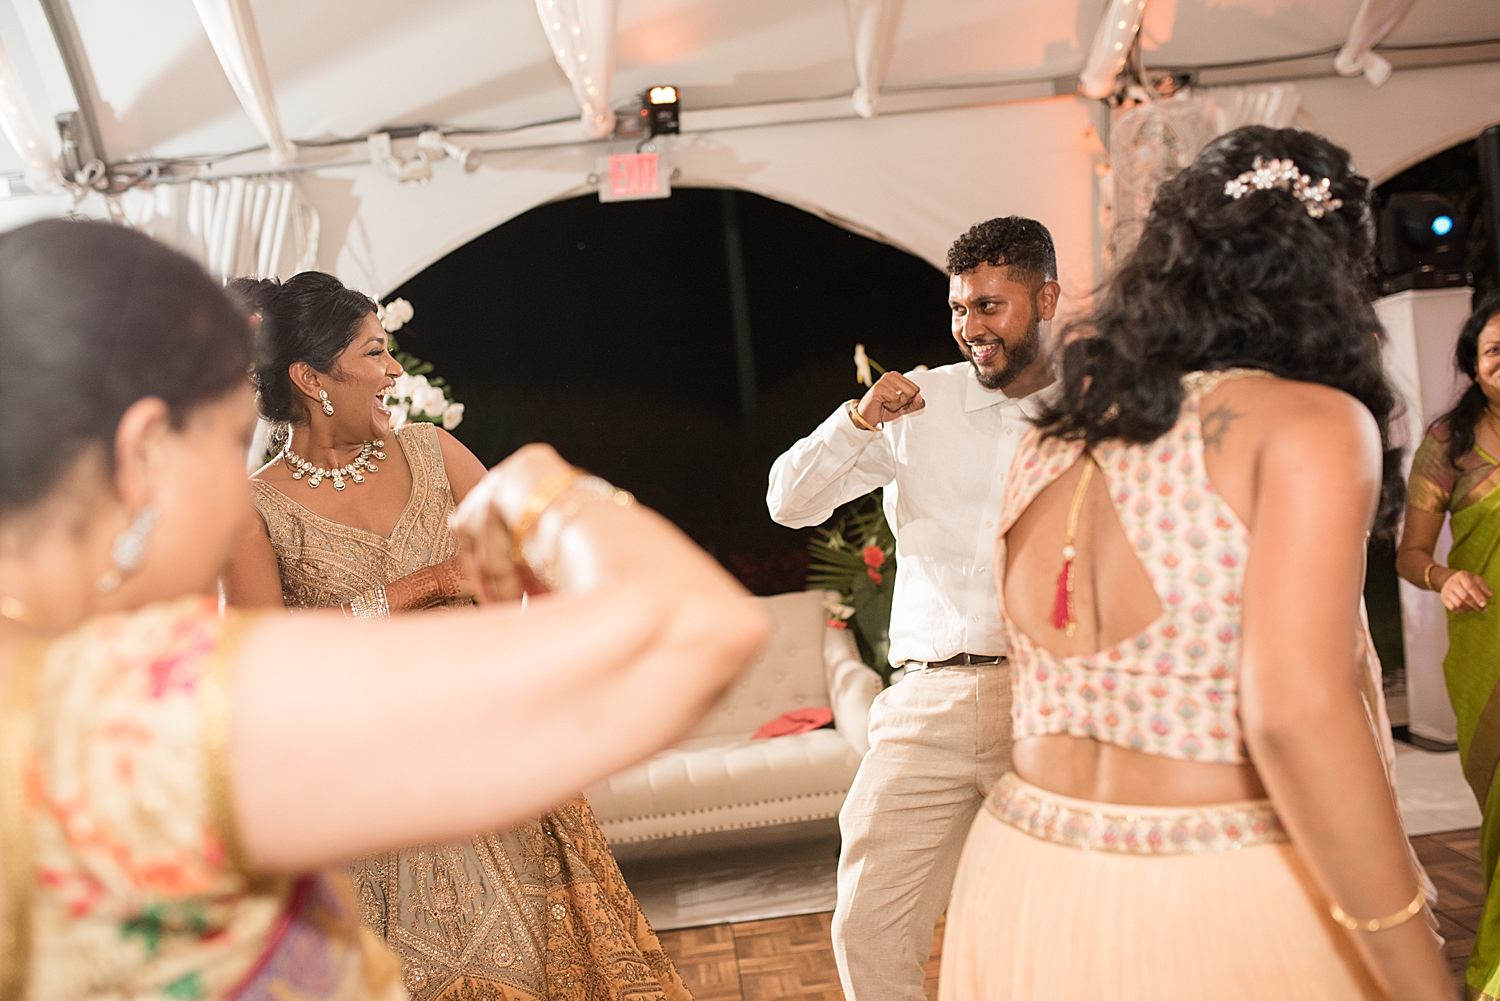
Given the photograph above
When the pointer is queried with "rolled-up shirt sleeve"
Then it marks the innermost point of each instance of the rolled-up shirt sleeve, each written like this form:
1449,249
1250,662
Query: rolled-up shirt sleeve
835,464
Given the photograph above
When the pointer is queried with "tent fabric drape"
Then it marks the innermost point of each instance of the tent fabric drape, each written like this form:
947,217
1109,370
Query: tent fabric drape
259,227
582,36
872,34
20,125
231,29
1374,21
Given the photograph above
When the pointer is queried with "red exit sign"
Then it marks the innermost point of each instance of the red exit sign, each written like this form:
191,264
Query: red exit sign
629,176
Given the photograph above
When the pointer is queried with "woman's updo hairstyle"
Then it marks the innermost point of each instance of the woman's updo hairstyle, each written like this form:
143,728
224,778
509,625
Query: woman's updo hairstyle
253,295
93,318
311,318
1463,420
1219,282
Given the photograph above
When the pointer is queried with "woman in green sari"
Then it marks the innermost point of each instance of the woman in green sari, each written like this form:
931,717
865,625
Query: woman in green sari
1456,472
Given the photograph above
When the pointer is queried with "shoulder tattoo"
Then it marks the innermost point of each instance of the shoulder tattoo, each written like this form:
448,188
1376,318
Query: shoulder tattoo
1216,424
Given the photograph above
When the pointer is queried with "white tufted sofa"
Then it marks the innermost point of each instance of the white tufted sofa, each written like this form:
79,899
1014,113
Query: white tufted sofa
719,787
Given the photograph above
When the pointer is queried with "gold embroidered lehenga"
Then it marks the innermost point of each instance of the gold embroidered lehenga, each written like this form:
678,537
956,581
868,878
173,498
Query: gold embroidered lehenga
536,912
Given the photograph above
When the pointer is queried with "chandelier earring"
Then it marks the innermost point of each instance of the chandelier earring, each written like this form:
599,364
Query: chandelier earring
129,548
327,407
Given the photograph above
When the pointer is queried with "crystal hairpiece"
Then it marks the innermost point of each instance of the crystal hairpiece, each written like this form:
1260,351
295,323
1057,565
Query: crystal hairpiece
1267,174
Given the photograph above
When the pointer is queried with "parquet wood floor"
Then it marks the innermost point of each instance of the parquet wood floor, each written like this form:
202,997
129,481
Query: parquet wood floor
782,959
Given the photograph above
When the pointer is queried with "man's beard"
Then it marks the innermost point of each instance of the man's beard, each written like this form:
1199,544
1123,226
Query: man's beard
1017,359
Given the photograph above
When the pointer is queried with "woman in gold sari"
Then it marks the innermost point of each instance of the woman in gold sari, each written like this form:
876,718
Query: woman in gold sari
539,911
1456,474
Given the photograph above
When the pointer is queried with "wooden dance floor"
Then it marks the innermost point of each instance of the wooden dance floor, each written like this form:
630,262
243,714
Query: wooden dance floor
786,958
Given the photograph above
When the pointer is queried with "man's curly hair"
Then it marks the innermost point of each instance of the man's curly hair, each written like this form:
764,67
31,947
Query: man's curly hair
1023,245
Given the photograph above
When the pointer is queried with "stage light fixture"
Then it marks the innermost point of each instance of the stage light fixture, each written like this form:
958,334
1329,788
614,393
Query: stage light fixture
1422,243
659,111
438,146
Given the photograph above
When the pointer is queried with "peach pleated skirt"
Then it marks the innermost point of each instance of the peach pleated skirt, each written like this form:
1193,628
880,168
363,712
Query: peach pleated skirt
1059,899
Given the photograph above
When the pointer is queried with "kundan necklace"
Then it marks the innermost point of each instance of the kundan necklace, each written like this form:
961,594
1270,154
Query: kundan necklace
317,474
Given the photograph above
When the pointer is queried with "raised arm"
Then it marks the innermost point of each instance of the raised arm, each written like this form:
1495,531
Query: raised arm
500,712
1316,487
844,457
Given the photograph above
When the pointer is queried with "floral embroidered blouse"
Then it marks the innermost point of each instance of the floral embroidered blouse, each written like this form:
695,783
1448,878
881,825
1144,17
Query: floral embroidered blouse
124,878
1171,689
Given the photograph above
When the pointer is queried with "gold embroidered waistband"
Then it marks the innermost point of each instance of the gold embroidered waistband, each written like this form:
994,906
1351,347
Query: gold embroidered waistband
1134,830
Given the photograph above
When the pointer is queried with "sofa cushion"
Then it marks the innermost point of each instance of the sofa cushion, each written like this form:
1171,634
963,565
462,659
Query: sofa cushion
788,674
715,784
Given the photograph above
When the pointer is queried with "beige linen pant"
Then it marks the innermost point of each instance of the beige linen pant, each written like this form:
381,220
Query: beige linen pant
939,741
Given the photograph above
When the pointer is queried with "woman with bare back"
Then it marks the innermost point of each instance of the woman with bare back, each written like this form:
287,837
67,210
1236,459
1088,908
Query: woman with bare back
1200,806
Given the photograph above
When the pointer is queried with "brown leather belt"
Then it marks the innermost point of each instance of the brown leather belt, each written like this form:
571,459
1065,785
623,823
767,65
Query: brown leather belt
957,660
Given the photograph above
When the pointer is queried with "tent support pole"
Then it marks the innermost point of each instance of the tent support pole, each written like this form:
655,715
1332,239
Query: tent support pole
70,48
739,304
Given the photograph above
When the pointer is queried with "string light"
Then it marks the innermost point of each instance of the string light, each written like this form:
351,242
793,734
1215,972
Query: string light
1107,56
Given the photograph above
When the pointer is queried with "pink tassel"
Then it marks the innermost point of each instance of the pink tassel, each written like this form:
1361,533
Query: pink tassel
1062,614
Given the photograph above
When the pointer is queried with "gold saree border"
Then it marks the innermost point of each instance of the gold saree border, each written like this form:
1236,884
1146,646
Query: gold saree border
1484,748
17,746
215,703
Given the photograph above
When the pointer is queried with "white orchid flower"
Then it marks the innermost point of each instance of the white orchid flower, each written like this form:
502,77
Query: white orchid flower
862,366
429,401
453,416
394,314
406,385
398,415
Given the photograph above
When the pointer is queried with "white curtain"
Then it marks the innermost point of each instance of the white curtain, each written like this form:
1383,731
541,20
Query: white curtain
231,30
1374,21
582,36
21,128
872,31
242,226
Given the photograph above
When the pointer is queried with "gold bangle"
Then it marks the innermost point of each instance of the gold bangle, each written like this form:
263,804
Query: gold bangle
541,498
569,504
852,409
1427,574
1402,916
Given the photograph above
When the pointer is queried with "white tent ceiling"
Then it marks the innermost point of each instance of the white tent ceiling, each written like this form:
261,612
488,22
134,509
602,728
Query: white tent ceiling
347,68
782,69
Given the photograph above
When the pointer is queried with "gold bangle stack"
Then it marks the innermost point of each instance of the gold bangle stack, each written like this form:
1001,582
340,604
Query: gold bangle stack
1402,916
370,605
540,500
558,497
852,409
1427,574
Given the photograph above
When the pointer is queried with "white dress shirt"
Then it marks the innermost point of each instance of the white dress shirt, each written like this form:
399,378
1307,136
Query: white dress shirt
943,470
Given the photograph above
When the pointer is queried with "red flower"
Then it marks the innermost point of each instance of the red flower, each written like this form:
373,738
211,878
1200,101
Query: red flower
837,624
874,557
876,577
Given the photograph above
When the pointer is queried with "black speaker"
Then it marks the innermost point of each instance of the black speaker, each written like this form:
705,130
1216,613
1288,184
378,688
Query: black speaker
1489,185
1421,243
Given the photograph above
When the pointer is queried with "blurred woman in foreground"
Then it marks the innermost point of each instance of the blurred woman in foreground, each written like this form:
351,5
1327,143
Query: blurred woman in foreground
173,783
1456,474
1200,807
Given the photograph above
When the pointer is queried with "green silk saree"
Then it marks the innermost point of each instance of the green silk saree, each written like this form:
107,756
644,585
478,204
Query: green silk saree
1471,669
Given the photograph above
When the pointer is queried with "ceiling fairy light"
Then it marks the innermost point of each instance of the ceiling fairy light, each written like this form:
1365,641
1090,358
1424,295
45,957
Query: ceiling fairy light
1112,44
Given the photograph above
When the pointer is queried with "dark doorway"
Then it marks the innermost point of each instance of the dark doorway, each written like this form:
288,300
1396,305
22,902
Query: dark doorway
608,331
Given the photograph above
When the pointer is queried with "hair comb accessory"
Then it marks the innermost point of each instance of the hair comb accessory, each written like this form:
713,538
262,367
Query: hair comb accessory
1283,174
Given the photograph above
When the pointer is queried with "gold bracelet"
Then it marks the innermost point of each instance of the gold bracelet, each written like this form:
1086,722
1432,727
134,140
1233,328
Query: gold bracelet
1427,575
1402,916
541,498
852,409
569,504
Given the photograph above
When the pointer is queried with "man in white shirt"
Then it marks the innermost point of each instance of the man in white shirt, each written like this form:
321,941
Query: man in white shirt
940,443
